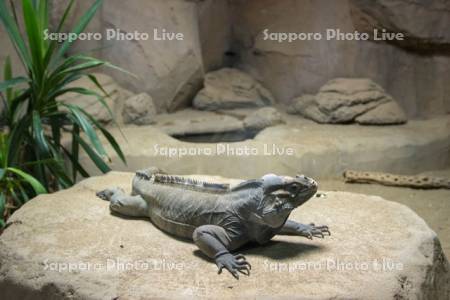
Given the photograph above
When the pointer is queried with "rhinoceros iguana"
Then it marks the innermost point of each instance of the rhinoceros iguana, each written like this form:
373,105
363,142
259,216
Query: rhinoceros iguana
217,217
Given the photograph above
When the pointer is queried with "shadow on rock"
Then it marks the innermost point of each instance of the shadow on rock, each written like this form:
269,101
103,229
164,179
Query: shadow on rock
273,250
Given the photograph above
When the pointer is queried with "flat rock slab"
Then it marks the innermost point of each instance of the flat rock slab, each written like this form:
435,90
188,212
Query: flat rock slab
299,145
378,250
193,122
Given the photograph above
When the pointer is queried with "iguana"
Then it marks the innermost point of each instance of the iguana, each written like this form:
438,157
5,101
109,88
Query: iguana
217,217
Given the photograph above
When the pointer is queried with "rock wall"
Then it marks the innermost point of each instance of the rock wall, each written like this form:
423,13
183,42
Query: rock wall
170,71
224,33
416,78
424,22
215,34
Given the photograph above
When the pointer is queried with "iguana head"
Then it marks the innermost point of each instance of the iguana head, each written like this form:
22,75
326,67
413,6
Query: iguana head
281,194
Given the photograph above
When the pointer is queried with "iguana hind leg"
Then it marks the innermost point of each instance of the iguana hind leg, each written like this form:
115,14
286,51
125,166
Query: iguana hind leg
133,206
214,241
309,231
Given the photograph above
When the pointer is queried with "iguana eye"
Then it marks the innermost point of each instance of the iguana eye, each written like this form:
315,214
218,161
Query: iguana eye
278,204
293,189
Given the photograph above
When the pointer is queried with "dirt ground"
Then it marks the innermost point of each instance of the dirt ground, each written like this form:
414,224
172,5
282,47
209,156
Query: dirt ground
432,205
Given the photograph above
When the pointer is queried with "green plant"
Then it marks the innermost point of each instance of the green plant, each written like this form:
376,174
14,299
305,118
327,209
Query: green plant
36,121
16,185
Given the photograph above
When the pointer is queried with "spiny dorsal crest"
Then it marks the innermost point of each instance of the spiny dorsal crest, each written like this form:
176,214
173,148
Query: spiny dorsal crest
188,183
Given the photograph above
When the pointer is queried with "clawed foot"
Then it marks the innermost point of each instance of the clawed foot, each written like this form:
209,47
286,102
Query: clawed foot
235,264
309,231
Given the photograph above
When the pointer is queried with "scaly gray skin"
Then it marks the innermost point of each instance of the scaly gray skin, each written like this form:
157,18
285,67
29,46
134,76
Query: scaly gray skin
219,219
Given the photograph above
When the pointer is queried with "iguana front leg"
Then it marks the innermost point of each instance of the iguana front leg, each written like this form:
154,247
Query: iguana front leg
215,243
309,231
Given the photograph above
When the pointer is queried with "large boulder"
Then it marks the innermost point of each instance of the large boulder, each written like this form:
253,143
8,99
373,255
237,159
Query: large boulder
68,245
230,88
345,100
169,70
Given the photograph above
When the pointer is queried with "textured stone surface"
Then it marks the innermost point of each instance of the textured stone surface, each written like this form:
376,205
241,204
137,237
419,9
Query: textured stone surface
386,113
230,88
352,86
301,103
169,70
139,110
262,118
193,122
218,34
425,23
345,100
222,126
240,113
306,106
215,33
318,150
398,256
418,82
